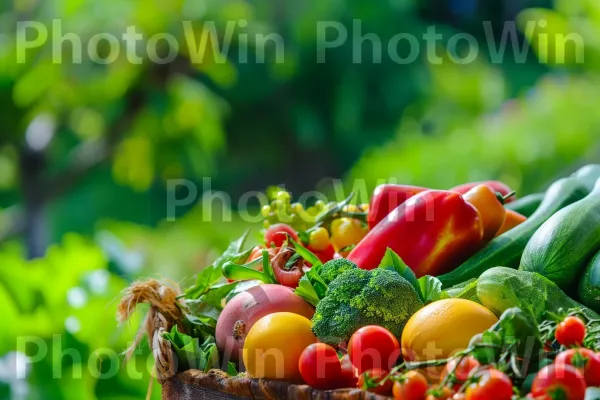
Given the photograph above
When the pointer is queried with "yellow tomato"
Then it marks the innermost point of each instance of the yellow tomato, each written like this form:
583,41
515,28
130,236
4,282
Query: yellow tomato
443,328
274,344
319,239
346,232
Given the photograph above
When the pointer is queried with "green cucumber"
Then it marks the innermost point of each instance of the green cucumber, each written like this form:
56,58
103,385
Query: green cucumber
589,286
526,205
565,243
588,175
506,249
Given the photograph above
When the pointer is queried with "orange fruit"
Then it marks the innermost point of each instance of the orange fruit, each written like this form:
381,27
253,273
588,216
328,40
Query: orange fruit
274,345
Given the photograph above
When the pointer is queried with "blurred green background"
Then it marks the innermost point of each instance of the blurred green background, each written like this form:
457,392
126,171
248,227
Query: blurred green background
87,150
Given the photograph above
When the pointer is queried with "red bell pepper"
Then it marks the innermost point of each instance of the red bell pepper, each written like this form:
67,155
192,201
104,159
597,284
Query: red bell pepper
496,186
386,197
433,232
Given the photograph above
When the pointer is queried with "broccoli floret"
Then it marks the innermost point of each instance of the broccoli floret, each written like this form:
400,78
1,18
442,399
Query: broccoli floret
358,298
334,268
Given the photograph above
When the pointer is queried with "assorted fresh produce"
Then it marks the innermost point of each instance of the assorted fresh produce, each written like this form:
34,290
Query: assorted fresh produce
423,294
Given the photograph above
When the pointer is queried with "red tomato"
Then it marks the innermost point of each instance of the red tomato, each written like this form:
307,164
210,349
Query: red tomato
320,367
585,360
492,385
570,332
349,373
411,386
276,234
437,393
462,371
559,381
371,381
373,347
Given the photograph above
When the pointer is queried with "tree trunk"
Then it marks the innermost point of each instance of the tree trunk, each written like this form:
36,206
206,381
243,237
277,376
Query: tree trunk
35,229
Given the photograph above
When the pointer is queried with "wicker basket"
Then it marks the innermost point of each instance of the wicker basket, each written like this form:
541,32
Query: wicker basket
166,311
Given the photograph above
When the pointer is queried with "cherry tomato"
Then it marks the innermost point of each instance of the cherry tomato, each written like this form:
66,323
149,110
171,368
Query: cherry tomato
318,240
585,360
371,381
275,235
439,393
559,381
349,373
461,372
459,396
320,367
570,332
288,275
411,386
346,232
492,385
373,347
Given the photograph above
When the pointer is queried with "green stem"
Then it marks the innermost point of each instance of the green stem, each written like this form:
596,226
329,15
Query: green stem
245,273
502,198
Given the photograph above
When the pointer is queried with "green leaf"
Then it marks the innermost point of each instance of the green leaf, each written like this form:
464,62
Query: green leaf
245,272
393,262
312,287
190,354
231,369
324,216
215,295
304,236
305,253
431,289
211,274
307,291
203,325
267,267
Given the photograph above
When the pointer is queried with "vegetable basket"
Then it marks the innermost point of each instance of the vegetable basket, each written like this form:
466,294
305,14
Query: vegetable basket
345,291
164,312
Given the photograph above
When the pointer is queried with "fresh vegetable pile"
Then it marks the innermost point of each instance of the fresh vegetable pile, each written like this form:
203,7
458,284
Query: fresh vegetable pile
467,293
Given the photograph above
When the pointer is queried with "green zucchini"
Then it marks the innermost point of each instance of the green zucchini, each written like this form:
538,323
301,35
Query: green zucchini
506,249
565,243
589,286
526,205
588,175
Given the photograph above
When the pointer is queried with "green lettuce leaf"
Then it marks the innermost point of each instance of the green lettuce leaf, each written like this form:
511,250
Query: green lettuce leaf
190,353
430,289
